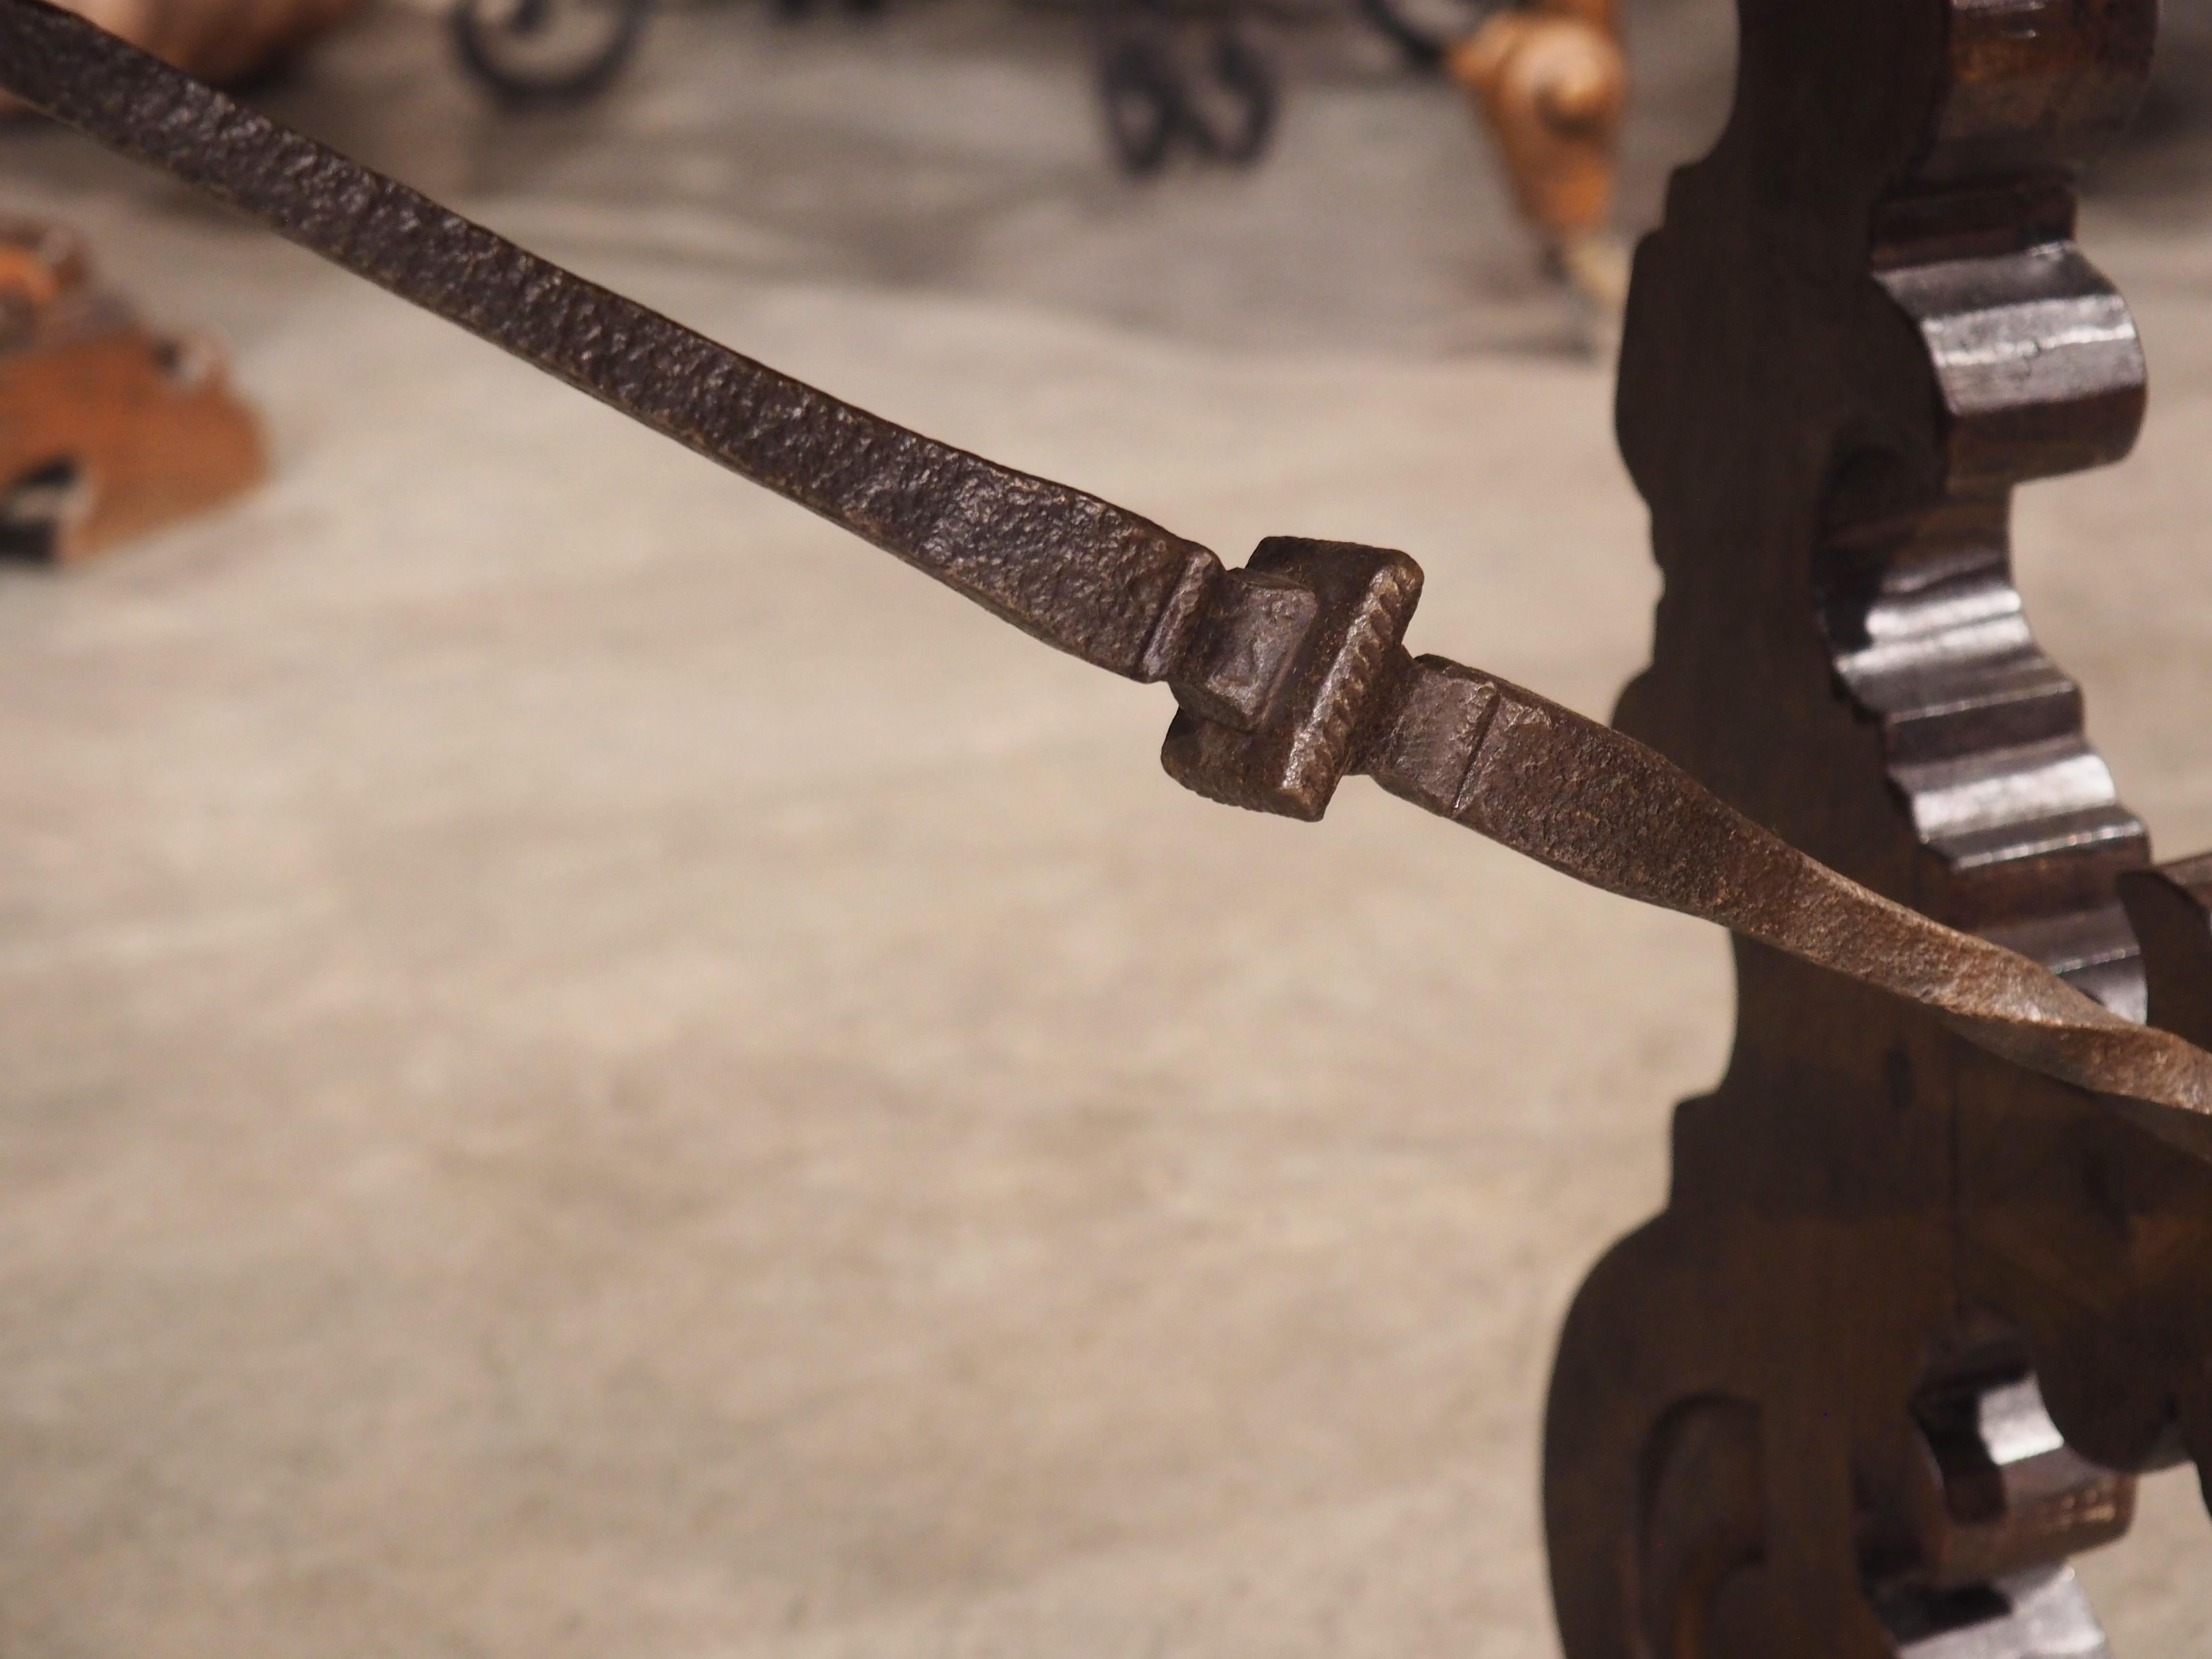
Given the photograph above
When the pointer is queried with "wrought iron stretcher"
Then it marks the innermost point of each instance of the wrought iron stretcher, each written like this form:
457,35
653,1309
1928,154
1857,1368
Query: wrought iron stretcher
1290,673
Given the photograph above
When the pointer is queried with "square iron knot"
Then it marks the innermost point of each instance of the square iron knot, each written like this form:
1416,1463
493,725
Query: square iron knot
1297,660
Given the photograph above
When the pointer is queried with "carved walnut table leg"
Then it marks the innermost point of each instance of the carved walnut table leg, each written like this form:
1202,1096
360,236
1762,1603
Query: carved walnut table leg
1841,1398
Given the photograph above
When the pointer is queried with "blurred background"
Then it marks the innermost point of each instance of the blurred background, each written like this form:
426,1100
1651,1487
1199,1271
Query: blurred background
588,1065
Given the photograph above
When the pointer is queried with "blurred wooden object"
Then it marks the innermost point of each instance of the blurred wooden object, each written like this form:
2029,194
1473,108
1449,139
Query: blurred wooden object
106,428
225,41
1550,84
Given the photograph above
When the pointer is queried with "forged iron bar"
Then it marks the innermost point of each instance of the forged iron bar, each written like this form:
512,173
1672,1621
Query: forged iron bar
1289,672
1080,573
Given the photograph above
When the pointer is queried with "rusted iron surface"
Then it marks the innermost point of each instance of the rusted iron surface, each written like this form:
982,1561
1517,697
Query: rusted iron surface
1606,810
1076,572
1291,672
225,41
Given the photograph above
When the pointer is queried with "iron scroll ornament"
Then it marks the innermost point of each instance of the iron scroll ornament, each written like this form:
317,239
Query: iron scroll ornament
1290,673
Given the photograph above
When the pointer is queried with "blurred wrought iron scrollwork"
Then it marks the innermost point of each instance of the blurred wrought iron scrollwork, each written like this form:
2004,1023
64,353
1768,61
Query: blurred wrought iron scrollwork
1911,1315
1171,74
1176,74
547,53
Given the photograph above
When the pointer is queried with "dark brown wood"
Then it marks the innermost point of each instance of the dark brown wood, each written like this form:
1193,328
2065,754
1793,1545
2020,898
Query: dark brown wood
1911,1314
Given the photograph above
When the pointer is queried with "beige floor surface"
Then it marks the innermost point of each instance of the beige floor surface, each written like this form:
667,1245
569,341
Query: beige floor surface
592,1068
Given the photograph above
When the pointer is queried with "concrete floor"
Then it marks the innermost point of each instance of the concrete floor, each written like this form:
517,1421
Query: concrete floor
592,1068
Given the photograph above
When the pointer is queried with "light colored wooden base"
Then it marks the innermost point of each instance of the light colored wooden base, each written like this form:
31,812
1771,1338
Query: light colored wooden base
107,428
